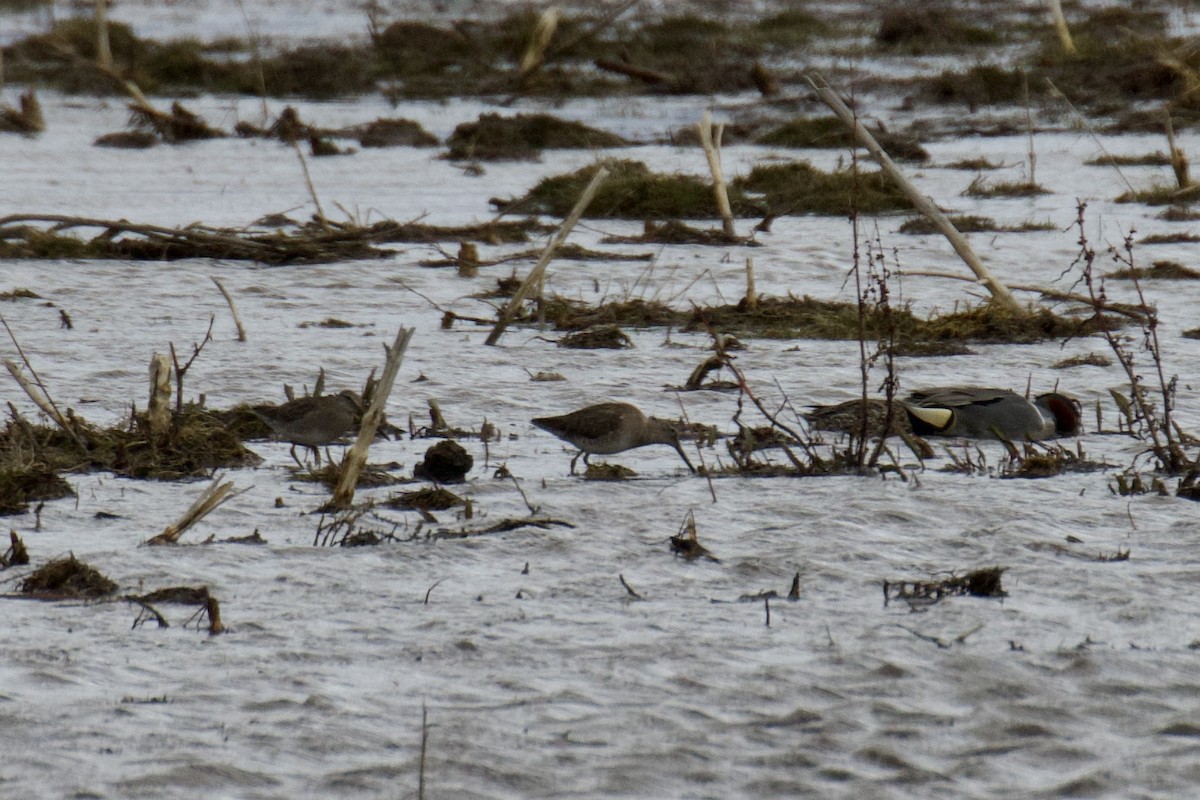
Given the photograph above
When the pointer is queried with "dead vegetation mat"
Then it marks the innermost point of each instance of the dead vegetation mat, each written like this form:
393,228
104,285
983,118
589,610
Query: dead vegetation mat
197,443
809,318
34,236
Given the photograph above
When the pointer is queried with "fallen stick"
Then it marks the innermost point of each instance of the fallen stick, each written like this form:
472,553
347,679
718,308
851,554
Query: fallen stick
534,277
356,458
923,204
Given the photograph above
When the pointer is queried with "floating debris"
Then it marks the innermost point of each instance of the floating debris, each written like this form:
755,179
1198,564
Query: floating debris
67,579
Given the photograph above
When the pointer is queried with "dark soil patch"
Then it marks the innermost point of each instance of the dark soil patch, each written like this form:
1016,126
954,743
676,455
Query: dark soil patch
800,188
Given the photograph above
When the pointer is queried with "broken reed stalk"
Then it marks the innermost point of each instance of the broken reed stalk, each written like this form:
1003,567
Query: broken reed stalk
1000,293
539,40
159,406
1029,128
356,458
1179,159
1060,27
214,496
535,275
751,291
710,140
237,320
424,748
312,190
103,50
215,626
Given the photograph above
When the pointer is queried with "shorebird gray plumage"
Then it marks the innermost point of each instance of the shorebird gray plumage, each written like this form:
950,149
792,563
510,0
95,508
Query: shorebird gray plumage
980,412
608,428
313,421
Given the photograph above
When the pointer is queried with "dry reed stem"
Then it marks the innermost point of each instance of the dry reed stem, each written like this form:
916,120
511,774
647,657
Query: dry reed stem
1132,313
356,458
535,275
215,495
539,40
312,190
1060,27
103,50
710,140
923,204
237,320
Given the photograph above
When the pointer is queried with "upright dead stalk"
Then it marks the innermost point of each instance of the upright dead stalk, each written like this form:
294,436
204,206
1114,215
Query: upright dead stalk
535,275
751,290
539,40
356,458
1000,293
159,412
1179,160
103,50
1060,27
710,140
237,320
312,190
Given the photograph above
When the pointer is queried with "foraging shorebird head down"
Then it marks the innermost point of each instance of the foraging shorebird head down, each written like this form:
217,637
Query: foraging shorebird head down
608,428
313,421
985,413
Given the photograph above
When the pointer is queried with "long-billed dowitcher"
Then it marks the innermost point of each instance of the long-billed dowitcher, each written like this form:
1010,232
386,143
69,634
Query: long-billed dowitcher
313,421
608,428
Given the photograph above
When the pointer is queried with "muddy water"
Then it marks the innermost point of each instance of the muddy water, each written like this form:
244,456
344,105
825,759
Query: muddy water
541,675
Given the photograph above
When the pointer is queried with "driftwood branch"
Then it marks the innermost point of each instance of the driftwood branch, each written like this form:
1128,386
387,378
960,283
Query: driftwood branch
534,277
923,204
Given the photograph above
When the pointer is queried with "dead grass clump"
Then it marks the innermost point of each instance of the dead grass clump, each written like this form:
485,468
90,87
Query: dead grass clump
976,583
1192,333
127,140
973,164
314,71
973,224
923,28
605,337
830,132
1170,238
981,85
385,132
431,499
524,136
981,188
1089,360
21,484
674,231
631,191
1155,159
801,188
67,579
415,48
570,315
1159,270
608,472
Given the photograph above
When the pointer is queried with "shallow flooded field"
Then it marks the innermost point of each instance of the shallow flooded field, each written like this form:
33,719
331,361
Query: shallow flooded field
576,655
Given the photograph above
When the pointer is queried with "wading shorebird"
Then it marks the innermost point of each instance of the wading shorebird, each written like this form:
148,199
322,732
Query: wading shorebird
980,412
313,421
609,428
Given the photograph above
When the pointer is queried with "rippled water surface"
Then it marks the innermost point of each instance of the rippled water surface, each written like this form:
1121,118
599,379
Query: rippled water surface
541,675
